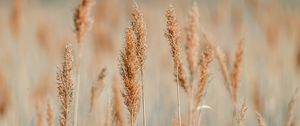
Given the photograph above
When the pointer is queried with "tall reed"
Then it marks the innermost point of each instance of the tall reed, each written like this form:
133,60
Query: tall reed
129,71
65,87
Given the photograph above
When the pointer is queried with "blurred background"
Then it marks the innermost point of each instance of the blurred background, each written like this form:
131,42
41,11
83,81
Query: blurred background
33,34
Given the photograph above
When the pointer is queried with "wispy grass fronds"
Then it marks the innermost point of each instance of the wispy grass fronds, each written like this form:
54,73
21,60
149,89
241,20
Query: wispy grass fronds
97,88
129,71
65,87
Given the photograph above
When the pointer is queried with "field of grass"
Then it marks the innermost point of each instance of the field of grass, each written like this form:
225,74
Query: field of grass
149,62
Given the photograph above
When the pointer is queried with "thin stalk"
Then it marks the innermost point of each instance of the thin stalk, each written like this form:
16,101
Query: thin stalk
77,92
143,96
178,98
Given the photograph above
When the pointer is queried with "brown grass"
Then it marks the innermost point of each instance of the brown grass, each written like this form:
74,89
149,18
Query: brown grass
129,71
118,113
260,119
97,89
50,115
65,86
241,117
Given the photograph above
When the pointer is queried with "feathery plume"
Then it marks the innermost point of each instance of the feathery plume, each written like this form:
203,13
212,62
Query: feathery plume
172,34
5,96
260,119
206,58
65,86
82,20
129,71
192,37
118,113
221,60
138,26
97,88
292,109
50,115
241,118
16,18
236,71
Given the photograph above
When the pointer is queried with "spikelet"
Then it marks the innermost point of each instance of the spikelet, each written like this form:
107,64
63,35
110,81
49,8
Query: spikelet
200,90
5,96
292,109
221,60
15,18
50,115
129,71
192,37
65,86
236,71
118,113
241,117
260,120
138,26
97,88
82,20
172,34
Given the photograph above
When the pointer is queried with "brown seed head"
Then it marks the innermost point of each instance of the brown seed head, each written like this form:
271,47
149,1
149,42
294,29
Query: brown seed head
172,34
236,72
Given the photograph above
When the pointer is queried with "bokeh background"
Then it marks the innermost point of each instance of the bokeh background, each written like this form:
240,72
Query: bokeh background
29,57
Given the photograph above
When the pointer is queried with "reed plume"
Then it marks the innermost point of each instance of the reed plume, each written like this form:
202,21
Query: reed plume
221,60
172,35
82,20
97,88
241,117
5,95
292,109
260,119
192,39
118,113
236,71
15,19
50,115
129,71
82,23
138,26
65,86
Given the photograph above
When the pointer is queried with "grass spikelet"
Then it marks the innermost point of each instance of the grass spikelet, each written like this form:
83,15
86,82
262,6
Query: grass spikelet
241,117
65,87
97,89
129,71
172,34
292,109
50,115
206,58
82,20
221,60
236,71
192,37
260,119
15,18
5,96
118,113
138,26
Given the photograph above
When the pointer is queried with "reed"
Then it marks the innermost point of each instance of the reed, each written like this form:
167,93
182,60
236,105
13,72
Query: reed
129,71
97,89
118,113
65,87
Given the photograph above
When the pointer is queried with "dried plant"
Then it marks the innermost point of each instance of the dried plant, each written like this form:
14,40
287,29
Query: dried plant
65,86
260,119
192,39
138,26
97,88
5,96
241,117
129,71
82,20
15,18
118,113
292,109
50,115
172,34
236,71
257,98
82,23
